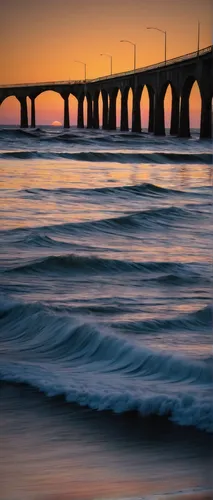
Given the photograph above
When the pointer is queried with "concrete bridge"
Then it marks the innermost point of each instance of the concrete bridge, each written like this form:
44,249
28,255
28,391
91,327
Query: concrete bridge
180,73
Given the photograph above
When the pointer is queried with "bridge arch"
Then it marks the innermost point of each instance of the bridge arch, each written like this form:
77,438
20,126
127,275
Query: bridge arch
11,110
73,109
190,88
171,100
188,84
48,108
145,94
44,91
167,99
195,98
51,106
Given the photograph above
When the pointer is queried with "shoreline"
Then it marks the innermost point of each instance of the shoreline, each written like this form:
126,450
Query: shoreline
58,451
159,422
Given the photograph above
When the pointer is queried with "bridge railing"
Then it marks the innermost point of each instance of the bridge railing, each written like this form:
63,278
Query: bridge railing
43,84
169,62
163,64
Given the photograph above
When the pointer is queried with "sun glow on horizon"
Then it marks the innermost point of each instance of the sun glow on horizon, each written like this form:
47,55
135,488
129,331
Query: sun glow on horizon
56,123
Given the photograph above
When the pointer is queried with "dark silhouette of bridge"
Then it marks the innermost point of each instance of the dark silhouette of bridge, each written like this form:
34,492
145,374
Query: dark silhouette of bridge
180,73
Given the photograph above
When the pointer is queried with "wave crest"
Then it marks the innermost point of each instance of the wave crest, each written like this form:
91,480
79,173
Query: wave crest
92,264
98,156
92,366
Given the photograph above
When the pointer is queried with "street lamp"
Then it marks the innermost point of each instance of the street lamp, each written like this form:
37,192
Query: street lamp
198,38
134,45
162,31
108,55
85,69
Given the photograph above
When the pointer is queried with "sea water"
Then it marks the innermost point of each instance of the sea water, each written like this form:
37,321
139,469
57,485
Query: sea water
105,288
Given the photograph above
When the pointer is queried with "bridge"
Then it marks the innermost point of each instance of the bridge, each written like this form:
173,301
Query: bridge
180,73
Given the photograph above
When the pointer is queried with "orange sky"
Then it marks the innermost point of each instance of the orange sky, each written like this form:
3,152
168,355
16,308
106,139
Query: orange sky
41,39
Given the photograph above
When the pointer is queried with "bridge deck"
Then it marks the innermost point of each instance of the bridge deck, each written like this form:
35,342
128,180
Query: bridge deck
185,57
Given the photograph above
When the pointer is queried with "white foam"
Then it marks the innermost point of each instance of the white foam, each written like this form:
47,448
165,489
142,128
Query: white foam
93,367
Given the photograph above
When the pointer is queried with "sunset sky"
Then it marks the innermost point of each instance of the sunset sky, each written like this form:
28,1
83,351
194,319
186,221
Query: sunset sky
41,39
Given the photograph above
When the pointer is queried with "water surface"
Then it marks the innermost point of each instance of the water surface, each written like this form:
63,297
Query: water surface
106,280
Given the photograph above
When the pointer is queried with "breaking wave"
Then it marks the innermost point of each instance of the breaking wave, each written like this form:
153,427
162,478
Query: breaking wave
92,366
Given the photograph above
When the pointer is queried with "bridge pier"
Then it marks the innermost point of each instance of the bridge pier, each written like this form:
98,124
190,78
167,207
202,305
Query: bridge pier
89,112
112,112
33,118
105,122
66,110
136,113
206,118
151,112
175,115
184,128
159,121
124,112
80,119
95,112
24,115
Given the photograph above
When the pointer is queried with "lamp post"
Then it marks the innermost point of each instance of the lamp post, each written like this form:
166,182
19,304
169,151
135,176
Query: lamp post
165,41
198,38
108,55
85,69
134,45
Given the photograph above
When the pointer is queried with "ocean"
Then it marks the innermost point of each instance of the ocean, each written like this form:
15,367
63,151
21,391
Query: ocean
105,315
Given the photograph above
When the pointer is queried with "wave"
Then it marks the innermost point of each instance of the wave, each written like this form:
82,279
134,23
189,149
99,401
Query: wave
21,155
19,133
143,189
113,139
138,189
126,191
73,138
197,320
73,263
200,319
149,220
92,366
76,136
97,156
182,279
42,240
